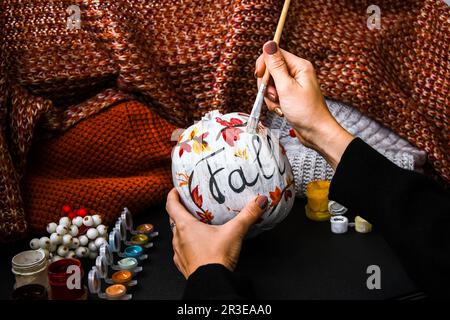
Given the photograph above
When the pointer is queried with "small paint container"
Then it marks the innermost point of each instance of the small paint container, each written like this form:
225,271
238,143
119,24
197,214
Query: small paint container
147,229
30,267
339,224
130,264
114,240
106,253
113,292
140,240
135,252
58,275
335,208
124,277
120,226
116,292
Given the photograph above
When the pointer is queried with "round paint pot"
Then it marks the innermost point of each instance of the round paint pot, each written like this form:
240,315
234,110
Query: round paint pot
58,279
122,277
116,291
133,252
139,239
30,267
102,266
127,263
146,228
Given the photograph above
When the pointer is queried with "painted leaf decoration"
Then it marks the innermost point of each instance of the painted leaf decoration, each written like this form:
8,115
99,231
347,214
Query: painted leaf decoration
292,133
230,135
235,121
184,147
206,216
287,195
197,198
275,196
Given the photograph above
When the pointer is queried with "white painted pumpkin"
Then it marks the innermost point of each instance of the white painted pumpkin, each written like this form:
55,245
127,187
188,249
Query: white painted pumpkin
217,167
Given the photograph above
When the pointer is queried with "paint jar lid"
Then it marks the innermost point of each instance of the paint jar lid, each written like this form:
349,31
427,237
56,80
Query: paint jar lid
120,226
105,251
114,240
29,262
336,208
122,276
127,219
127,263
94,282
102,266
116,291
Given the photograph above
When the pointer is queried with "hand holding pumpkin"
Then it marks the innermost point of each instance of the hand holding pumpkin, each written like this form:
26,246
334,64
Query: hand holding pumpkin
296,91
196,243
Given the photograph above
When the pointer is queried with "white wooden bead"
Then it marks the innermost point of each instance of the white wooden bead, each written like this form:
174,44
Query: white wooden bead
92,246
67,240
46,252
77,221
71,254
102,229
62,230
55,239
53,247
83,240
97,219
56,258
51,227
65,221
73,230
99,242
75,243
44,243
92,233
82,252
88,221
62,251
34,244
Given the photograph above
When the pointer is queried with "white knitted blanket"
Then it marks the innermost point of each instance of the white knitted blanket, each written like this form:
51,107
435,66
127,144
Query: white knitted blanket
308,165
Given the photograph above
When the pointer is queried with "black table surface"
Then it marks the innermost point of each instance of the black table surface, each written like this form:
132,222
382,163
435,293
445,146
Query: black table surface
299,259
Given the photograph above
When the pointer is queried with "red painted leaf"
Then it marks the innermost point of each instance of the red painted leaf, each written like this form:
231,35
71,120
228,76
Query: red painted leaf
197,198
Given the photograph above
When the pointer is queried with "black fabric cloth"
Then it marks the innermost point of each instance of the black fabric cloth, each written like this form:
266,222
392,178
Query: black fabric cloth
411,211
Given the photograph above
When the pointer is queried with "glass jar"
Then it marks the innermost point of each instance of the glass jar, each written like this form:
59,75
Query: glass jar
30,267
58,279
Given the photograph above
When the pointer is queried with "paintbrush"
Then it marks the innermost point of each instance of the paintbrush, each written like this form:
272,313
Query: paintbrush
256,110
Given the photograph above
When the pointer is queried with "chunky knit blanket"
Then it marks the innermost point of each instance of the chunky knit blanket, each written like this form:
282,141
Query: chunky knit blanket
60,86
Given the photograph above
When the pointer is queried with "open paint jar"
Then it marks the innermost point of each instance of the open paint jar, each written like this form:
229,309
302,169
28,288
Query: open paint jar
106,253
140,239
148,229
114,240
124,277
130,264
135,251
63,288
113,292
30,267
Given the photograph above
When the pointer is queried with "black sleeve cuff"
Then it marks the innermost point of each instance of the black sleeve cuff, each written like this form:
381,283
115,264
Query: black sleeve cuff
215,282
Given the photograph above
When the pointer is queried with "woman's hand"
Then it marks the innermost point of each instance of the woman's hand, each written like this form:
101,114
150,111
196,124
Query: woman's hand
196,243
296,91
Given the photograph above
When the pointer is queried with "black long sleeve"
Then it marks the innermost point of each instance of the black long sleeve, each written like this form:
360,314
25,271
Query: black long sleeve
215,282
411,211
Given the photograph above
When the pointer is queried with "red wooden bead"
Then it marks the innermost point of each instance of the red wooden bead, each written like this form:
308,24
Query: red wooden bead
82,212
72,215
66,209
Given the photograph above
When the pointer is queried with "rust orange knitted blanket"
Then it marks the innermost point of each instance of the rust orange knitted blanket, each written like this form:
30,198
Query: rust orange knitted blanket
73,132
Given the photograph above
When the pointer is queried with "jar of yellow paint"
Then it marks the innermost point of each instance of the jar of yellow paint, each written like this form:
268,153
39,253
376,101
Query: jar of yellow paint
317,206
